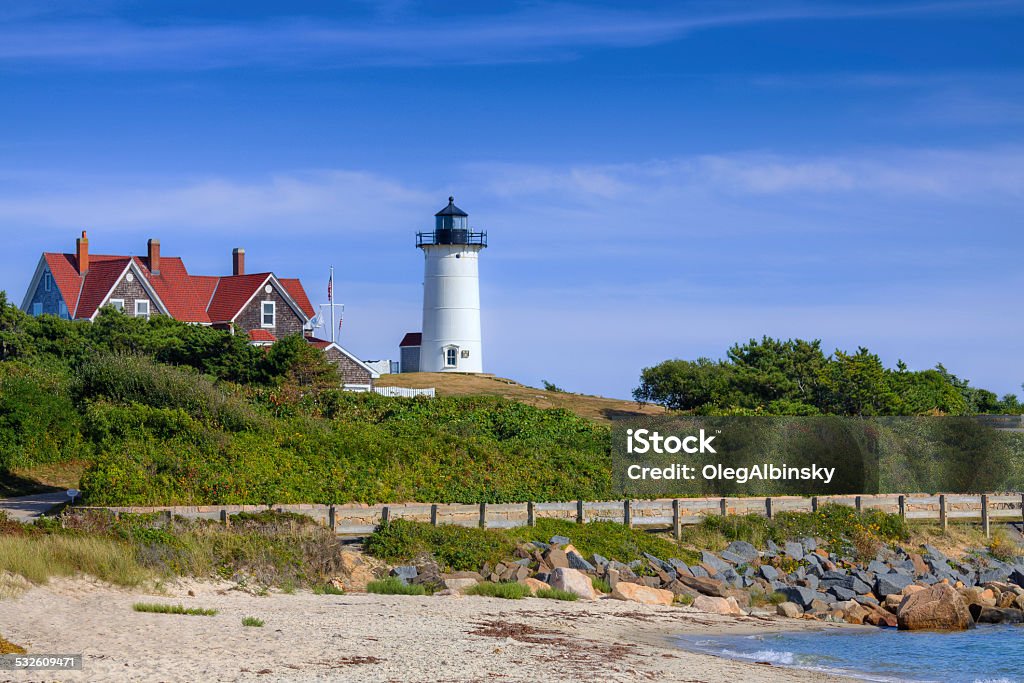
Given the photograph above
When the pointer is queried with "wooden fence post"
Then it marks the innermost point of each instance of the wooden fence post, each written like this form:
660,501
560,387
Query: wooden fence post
385,515
531,515
433,515
1022,505
814,503
723,507
627,513
984,515
903,507
768,507
579,511
483,515
858,504
224,517
168,517
677,527
942,511
332,518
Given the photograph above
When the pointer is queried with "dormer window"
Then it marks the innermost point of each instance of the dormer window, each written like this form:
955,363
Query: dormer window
269,314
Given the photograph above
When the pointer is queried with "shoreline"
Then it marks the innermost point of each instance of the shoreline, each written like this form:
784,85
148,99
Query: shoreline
360,637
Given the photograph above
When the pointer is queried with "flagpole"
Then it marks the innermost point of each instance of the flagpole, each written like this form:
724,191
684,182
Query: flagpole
334,330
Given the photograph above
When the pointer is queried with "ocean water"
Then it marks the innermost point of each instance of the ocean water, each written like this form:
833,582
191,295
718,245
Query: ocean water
987,654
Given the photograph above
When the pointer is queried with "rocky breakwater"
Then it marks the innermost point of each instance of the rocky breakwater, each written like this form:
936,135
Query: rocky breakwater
899,587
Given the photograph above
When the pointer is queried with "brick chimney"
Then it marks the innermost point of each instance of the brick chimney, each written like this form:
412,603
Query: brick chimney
238,261
154,256
82,253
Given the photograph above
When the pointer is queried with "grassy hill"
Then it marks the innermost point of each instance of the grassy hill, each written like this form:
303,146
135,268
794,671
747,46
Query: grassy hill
595,408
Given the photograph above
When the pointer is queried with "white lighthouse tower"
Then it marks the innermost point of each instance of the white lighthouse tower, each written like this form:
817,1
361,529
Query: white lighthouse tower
451,294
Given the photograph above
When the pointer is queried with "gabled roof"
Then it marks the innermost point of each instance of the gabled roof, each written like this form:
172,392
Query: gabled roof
323,345
451,209
186,297
412,339
261,336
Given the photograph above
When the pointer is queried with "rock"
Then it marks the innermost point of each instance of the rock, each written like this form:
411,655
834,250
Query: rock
732,557
406,573
556,558
819,606
354,571
892,602
644,595
799,595
794,550
911,589
459,585
713,561
937,608
842,593
855,613
789,609
680,567
535,585
679,588
612,576
768,572
810,544
560,540
600,560
706,603
888,584
920,566
577,562
745,550
574,581
878,567
699,572
1016,577
876,616
704,586
995,615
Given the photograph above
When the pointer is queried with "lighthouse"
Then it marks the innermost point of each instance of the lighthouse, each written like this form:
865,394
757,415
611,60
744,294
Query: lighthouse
451,340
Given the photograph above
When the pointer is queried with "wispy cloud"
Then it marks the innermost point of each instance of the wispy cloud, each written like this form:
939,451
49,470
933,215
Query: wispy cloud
532,32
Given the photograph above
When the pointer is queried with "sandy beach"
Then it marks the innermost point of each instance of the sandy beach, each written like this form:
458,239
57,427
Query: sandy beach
363,637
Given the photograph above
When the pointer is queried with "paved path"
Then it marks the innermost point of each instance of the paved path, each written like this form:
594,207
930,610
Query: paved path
26,508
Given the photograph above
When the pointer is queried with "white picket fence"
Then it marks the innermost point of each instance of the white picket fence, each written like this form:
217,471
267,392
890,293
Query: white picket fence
403,392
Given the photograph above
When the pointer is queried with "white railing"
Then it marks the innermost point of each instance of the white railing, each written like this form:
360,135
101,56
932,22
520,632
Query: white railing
403,392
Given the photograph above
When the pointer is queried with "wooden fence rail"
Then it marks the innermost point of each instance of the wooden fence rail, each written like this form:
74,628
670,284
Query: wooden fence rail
669,513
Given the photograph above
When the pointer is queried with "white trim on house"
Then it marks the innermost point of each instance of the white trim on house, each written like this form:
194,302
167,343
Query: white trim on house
34,284
143,280
116,303
276,284
373,373
263,314
139,302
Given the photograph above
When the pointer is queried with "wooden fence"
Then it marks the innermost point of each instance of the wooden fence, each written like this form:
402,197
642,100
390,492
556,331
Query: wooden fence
669,513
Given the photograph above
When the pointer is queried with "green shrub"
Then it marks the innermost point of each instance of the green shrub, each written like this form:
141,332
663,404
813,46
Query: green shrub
158,608
509,591
610,539
557,594
600,585
456,548
393,585
252,621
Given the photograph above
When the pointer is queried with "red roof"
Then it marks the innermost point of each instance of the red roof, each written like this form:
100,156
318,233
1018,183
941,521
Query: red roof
261,336
412,339
190,298
318,343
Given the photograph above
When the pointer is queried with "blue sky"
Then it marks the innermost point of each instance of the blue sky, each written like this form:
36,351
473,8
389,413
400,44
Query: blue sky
657,179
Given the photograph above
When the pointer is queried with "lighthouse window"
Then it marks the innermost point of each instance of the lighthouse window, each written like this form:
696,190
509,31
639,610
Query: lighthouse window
451,357
268,314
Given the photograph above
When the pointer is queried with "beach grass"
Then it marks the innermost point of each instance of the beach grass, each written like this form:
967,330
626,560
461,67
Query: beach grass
557,594
39,558
252,621
508,591
600,585
159,608
393,585
9,648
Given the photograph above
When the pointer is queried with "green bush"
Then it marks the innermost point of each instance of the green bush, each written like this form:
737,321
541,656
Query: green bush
456,548
508,591
157,608
557,594
252,621
393,585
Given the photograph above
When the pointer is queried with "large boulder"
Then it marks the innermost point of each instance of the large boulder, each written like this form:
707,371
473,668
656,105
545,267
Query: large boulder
645,595
937,608
704,586
789,609
888,584
355,570
574,581
995,615
534,585
800,595
707,603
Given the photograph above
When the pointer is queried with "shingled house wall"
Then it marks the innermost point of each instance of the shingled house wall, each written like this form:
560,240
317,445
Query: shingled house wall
350,371
286,320
131,292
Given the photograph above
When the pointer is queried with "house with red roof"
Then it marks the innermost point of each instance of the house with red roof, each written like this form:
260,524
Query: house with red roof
262,306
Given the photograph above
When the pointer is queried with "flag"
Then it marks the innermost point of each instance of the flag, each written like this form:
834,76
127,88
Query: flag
340,318
330,288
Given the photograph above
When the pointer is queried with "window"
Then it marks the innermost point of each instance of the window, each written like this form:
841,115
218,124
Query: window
118,304
47,282
142,309
37,309
269,314
63,308
451,357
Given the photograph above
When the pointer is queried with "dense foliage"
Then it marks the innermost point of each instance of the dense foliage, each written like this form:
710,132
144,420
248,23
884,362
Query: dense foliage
169,413
795,377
